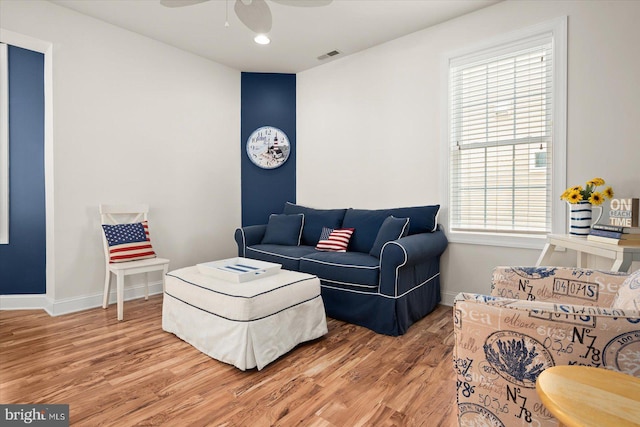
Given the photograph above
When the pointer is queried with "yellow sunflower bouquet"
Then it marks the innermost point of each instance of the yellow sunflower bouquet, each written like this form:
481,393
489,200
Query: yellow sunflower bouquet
588,193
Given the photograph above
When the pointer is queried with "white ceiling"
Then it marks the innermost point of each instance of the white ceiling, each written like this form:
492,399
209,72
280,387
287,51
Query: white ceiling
299,34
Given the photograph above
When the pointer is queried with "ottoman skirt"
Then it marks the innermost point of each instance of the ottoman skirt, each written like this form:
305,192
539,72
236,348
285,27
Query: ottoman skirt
247,324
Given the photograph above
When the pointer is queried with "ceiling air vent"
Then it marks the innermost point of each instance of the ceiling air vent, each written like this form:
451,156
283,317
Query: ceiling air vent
329,55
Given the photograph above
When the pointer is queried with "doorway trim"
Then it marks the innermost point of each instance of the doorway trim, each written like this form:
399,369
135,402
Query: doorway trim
37,301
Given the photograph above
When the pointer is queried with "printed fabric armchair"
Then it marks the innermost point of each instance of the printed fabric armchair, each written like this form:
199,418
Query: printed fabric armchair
535,318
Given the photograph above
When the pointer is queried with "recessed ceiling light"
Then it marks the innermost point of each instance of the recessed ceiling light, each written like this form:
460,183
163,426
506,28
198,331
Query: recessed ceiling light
262,39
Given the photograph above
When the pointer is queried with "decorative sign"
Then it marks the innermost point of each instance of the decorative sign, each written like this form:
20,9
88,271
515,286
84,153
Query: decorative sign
624,212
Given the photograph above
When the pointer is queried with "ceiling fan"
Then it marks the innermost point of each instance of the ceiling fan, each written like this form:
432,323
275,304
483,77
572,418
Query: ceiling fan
254,14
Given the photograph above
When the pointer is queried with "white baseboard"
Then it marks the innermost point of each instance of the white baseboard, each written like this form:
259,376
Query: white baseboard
446,298
71,305
25,302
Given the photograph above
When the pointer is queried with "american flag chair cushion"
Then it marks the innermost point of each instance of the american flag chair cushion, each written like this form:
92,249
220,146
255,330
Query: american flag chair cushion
128,242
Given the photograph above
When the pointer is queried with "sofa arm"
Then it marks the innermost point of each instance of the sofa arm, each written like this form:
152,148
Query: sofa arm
249,236
410,261
502,345
568,285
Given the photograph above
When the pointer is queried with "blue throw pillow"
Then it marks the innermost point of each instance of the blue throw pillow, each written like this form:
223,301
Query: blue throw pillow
392,229
367,223
284,230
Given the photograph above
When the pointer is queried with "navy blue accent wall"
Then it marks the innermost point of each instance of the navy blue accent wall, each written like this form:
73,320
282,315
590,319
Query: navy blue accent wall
267,100
23,260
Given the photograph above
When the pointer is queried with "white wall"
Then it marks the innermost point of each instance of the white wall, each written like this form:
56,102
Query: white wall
134,121
375,119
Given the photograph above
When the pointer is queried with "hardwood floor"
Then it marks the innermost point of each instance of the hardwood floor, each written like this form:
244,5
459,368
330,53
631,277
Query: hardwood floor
133,373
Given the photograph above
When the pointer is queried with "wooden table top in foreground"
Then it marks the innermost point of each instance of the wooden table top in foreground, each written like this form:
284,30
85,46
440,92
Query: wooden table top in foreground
586,396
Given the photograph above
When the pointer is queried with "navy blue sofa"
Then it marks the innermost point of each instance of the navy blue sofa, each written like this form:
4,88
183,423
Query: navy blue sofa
385,281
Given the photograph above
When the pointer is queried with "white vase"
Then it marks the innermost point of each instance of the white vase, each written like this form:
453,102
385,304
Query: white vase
580,218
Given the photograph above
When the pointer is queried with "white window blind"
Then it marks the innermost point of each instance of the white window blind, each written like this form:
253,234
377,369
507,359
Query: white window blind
501,109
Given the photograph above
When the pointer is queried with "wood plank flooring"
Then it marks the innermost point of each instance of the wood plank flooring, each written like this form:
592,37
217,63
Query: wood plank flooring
132,373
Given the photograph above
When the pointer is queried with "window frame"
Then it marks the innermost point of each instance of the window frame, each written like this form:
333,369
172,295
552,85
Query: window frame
558,29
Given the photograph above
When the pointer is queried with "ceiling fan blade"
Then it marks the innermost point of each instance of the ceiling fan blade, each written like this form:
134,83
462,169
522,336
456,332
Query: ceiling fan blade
180,3
256,15
304,3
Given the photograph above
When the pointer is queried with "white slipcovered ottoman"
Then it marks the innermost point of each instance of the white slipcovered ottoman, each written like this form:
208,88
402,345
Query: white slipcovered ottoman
246,324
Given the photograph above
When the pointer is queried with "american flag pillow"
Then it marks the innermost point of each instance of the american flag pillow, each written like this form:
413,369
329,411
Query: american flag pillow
334,240
128,242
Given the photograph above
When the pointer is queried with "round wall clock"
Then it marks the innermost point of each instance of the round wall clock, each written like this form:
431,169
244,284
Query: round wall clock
268,147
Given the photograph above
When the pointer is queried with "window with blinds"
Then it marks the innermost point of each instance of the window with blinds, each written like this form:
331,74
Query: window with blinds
500,138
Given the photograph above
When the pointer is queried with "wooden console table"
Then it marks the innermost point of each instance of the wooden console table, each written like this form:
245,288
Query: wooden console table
623,256
583,396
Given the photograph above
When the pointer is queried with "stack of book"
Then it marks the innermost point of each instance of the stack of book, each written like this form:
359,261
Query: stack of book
615,235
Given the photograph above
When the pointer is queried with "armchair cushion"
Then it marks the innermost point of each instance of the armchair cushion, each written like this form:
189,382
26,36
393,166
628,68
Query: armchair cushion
628,297
284,230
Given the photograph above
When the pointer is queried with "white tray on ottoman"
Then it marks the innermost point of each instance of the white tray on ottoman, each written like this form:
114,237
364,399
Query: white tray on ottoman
247,324
239,269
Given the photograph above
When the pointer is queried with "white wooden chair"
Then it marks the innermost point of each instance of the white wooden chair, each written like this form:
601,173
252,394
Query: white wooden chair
127,214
